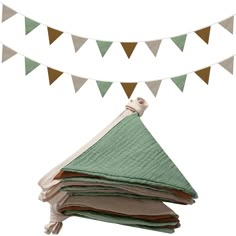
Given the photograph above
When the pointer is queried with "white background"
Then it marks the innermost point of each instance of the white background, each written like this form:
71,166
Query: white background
41,125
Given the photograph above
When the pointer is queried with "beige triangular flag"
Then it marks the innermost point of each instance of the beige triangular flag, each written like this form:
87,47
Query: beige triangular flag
53,75
7,13
78,42
78,82
228,64
228,24
204,74
53,34
154,46
7,53
154,86
204,34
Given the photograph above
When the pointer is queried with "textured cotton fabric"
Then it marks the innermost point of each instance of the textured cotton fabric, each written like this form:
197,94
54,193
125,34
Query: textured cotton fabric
121,176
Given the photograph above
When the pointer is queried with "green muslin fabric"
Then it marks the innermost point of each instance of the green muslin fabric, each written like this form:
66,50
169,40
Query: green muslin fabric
122,220
121,176
129,153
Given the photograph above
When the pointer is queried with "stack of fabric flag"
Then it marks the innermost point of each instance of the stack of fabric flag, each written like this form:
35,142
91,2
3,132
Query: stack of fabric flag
121,176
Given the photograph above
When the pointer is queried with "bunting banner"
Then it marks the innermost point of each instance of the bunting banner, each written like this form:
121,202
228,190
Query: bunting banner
128,88
128,47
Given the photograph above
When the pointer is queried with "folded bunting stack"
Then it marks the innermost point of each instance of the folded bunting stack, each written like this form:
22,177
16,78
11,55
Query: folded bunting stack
121,176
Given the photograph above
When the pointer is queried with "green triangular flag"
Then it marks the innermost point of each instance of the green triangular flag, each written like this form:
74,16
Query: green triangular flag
30,65
128,152
103,87
180,81
180,41
30,25
103,46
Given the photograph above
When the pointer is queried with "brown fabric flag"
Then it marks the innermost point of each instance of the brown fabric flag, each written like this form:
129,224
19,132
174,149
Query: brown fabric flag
128,88
78,82
204,74
128,48
154,86
7,53
204,34
154,46
53,75
78,42
7,13
53,34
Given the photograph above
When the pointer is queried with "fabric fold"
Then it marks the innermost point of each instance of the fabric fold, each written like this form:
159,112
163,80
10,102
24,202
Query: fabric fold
121,176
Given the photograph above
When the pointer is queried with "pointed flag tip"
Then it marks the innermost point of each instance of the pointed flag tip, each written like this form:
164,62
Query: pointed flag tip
30,25
154,86
180,41
103,87
204,34
228,64
204,74
7,53
30,65
179,81
154,46
128,88
7,13
129,48
78,82
53,34
78,42
228,24
53,75
103,46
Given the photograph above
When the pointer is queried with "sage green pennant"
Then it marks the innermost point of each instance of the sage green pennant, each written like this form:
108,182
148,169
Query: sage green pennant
103,46
30,65
180,41
179,81
103,87
30,25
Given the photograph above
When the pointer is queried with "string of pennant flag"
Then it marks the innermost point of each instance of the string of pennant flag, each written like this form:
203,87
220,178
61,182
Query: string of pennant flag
128,47
103,86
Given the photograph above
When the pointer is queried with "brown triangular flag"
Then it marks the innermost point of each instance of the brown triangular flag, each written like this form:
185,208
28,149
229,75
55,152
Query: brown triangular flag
7,13
128,48
128,88
154,46
78,82
53,75
204,74
228,64
228,24
78,42
7,53
53,34
154,86
204,34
